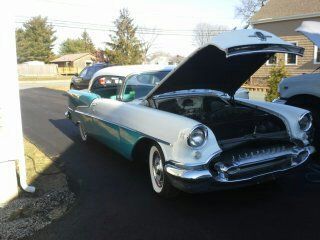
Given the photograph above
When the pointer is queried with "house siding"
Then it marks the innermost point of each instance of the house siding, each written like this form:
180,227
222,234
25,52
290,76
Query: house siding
286,30
81,62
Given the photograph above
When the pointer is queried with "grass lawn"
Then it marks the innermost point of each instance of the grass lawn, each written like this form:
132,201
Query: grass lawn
30,212
43,78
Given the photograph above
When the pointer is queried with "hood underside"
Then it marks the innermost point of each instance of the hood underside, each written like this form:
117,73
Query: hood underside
225,67
311,30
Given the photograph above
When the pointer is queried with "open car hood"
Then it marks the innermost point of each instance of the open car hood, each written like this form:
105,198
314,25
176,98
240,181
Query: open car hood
225,63
311,30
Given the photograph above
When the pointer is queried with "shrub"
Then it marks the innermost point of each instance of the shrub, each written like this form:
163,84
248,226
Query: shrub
276,74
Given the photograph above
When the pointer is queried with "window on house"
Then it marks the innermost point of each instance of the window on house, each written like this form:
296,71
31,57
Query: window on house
291,59
273,60
316,55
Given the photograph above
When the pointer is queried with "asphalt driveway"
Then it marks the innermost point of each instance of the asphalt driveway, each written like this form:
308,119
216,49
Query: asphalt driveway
115,199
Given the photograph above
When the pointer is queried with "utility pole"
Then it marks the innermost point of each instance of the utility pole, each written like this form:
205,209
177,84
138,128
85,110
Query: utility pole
11,137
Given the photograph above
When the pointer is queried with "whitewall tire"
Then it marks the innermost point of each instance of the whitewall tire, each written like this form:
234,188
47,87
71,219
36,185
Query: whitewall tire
83,132
160,182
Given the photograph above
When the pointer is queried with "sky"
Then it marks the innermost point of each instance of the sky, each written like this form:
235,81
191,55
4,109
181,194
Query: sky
175,18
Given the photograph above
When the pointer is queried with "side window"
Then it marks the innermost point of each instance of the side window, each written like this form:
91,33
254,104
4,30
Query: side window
90,72
272,61
138,86
291,59
107,86
83,72
316,55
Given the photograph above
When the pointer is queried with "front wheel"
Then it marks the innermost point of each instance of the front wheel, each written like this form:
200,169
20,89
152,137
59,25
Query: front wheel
160,182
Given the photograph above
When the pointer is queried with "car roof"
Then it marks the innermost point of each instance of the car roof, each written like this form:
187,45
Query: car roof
124,71
99,64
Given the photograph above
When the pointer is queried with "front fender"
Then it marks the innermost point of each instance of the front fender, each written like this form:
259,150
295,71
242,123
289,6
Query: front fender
288,114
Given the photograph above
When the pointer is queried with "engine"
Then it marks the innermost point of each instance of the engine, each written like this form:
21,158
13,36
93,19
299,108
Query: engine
226,119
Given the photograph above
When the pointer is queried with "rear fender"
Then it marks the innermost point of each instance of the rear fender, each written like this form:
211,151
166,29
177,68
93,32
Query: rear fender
81,98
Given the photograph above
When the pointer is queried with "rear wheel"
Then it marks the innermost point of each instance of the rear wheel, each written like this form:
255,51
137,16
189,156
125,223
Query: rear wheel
83,132
160,182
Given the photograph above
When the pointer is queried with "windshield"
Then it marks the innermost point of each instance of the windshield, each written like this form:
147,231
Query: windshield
139,85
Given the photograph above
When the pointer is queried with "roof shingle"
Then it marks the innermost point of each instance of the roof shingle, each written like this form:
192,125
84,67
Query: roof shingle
286,9
69,57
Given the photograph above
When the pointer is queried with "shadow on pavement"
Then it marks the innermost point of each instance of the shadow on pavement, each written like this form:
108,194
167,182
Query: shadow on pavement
116,201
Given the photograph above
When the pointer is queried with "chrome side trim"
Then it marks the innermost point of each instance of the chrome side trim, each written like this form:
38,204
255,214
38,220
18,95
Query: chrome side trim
121,126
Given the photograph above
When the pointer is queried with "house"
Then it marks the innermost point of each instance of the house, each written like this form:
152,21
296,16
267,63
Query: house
163,58
159,58
73,63
282,17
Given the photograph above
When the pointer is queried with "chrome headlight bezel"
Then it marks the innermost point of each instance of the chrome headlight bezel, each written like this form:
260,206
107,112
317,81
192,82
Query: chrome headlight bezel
191,142
307,117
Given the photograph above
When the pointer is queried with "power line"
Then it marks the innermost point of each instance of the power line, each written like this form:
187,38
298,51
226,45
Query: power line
143,32
103,27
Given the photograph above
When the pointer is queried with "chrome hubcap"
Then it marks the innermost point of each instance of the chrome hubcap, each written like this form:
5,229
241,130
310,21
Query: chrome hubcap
157,169
83,132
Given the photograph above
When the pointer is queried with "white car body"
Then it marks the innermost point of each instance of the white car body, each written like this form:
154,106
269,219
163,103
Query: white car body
306,84
124,125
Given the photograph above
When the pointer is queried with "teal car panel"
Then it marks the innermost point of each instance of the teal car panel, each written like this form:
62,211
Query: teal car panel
128,139
81,98
117,138
107,133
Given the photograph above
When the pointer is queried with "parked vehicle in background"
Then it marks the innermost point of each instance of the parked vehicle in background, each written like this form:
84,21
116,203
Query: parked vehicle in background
304,90
194,134
81,80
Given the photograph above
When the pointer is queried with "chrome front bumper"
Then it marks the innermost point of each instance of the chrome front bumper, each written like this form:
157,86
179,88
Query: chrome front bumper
247,170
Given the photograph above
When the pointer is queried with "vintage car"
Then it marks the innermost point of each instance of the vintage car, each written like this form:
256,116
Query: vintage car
194,134
304,90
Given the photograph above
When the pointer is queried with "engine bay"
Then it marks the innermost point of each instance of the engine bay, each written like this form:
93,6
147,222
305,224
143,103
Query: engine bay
227,119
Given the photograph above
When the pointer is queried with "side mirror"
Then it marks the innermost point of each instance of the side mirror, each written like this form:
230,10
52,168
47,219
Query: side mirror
76,74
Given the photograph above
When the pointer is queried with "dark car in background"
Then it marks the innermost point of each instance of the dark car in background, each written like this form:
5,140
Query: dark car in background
81,80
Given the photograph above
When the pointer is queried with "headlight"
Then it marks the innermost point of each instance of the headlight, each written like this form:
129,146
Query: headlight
197,137
305,122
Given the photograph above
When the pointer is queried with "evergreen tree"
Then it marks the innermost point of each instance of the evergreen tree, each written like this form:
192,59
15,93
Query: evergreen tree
124,47
79,45
276,74
35,40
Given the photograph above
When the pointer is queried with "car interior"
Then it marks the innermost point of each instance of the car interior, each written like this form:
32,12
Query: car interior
134,87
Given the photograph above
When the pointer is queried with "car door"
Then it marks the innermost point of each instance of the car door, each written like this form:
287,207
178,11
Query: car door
104,123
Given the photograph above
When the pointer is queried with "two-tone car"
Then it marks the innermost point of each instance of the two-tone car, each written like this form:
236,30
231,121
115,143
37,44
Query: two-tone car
187,123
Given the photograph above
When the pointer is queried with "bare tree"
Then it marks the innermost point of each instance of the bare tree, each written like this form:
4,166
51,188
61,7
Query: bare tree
147,37
247,8
203,32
